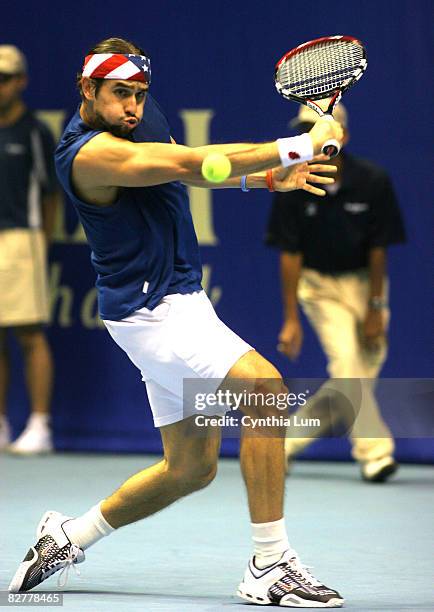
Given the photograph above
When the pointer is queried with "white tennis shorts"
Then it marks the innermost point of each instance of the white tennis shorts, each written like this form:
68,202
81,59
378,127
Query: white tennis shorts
181,338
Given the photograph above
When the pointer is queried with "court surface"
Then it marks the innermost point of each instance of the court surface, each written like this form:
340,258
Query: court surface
373,543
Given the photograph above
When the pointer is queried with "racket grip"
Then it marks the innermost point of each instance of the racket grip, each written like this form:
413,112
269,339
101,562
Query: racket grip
331,147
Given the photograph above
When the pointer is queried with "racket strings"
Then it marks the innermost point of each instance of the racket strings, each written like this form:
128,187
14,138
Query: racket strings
320,69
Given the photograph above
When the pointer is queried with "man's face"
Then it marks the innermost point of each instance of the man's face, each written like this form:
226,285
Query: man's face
118,106
11,87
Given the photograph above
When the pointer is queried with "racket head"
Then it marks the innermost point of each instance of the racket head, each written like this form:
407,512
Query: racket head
320,69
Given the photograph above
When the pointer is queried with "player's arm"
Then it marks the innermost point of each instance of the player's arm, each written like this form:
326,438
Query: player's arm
201,182
107,161
299,176
291,334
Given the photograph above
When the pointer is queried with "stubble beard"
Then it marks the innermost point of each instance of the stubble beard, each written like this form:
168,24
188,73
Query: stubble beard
121,131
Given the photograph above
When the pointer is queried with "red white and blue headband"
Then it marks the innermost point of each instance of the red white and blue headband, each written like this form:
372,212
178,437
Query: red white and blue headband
124,67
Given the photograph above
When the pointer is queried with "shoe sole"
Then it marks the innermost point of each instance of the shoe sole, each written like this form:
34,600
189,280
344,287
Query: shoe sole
21,573
383,474
23,569
291,601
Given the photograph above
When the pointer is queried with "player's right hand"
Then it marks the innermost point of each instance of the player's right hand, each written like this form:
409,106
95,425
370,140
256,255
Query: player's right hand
323,130
291,338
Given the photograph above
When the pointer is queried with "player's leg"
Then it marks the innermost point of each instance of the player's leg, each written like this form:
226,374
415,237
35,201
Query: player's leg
274,573
261,455
4,384
38,368
189,464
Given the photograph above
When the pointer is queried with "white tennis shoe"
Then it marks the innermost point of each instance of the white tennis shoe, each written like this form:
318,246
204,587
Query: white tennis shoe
286,583
52,552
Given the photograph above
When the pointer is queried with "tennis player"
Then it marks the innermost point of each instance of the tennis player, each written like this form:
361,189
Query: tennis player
125,175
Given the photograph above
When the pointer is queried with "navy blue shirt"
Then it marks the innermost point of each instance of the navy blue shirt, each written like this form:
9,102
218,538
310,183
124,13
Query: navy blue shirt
144,245
26,171
335,233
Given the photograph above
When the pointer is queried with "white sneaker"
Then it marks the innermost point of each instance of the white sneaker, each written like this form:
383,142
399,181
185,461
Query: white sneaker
379,470
33,440
52,552
286,583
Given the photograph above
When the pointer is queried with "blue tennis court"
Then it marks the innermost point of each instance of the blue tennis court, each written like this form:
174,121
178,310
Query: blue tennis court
373,542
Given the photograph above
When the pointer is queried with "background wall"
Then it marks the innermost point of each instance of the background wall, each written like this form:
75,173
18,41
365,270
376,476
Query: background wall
220,57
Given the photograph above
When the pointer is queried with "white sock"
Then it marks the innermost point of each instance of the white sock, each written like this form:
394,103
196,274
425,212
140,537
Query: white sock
38,420
270,542
89,528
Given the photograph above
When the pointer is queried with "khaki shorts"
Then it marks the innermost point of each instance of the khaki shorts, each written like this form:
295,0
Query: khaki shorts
23,277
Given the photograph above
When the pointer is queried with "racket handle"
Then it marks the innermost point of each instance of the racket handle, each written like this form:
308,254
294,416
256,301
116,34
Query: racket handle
331,147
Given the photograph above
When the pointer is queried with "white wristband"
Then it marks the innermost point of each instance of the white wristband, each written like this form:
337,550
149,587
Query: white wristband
295,150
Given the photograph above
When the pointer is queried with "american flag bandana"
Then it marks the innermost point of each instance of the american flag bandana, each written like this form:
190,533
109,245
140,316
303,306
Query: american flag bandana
126,67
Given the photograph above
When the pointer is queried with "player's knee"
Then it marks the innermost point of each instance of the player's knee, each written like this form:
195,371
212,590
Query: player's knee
270,397
203,475
195,475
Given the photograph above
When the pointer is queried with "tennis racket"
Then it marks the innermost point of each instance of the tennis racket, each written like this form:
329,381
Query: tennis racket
321,69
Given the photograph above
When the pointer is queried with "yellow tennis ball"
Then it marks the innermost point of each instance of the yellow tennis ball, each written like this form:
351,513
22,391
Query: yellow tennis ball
216,168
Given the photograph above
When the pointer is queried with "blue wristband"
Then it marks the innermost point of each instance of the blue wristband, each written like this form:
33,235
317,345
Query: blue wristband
244,184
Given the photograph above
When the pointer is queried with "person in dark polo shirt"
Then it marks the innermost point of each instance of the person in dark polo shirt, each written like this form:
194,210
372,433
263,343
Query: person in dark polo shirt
333,263
29,195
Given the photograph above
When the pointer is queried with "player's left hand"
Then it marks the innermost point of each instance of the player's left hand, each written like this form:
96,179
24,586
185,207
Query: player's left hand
373,330
300,176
